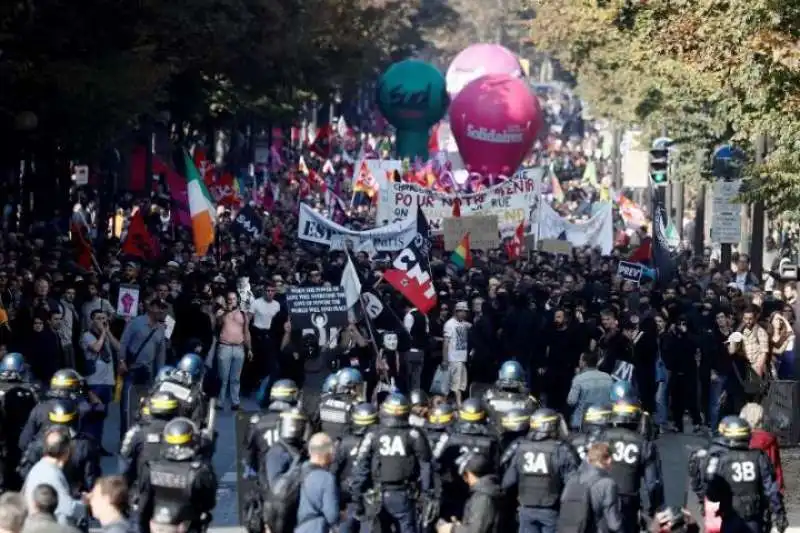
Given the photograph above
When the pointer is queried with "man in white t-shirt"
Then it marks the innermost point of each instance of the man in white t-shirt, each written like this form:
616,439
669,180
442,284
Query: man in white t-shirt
264,309
456,333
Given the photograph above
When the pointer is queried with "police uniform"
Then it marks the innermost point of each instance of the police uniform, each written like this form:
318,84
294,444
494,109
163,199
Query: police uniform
261,435
394,458
178,488
334,414
364,415
508,392
595,420
17,400
470,435
741,480
191,400
634,459
83,467
538,468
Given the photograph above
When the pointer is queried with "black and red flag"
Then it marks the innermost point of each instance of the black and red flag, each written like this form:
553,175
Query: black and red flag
139,242
410,276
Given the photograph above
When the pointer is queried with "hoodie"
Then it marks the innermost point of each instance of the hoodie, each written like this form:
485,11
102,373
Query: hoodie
482,510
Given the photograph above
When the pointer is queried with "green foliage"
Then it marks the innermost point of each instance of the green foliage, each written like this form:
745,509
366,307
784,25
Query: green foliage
707,71
90,70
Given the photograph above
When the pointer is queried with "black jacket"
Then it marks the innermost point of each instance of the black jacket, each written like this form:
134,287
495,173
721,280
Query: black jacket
482,510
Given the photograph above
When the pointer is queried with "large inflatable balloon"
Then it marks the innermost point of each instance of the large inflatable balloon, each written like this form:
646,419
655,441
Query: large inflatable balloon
478,60
412,96
495,120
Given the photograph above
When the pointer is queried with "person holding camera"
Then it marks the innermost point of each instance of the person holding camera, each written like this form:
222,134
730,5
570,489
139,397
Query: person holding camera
99,346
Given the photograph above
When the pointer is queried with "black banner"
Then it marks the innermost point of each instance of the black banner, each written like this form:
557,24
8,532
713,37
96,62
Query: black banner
318,308
248,223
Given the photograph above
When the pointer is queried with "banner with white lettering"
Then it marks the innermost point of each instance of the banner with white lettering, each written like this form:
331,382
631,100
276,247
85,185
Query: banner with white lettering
314,227
512,202
320,311
248,223
630,271
597,231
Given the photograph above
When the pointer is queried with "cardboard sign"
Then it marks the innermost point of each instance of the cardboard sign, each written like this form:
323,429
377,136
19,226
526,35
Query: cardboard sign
482,231
128,301
630,271
555,246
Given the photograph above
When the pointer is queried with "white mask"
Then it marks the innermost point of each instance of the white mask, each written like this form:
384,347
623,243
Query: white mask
390,341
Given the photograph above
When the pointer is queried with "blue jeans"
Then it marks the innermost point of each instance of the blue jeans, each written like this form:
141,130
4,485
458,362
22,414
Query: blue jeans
231,361
537,520
662,401
96,420
716,388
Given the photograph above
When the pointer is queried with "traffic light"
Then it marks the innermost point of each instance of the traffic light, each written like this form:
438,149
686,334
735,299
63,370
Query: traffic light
659,167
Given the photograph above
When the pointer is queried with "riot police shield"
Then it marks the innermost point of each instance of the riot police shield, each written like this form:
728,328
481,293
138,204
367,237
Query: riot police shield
477,390
246,478
136,395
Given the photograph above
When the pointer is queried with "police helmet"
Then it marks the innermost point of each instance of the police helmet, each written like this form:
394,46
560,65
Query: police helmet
161,404
511,375
418,398
596,416
190,368
472,411
63,411
394,409
12,366
516,420
180,436
545,423
441,416
733,432
293,425
626,413
364,415
65,382
284,390
164,374
348,380
329,385
622,390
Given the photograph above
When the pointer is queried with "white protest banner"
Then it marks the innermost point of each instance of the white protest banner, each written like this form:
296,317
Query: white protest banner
597,231
314,227
512,201
383,170
482,232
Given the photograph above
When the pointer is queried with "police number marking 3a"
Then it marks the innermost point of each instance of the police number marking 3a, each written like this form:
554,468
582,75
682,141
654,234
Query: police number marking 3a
625,453
535,463
391,445
744,471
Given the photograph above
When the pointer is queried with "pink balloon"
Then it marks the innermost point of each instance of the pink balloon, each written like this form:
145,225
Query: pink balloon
495,120
479,60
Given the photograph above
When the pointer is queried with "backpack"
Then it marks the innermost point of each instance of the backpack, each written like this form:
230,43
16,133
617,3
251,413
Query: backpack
283,497
576,514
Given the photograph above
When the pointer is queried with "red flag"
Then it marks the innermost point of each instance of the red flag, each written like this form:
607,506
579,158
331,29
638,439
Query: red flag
433,141
457,208
139,242
411,280
277,236
322,142
84,255
643,253
514,247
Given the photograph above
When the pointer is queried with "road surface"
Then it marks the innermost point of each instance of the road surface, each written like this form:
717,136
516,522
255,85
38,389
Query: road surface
673,449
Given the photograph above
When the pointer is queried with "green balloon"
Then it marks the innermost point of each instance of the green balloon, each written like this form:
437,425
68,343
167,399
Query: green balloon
412,95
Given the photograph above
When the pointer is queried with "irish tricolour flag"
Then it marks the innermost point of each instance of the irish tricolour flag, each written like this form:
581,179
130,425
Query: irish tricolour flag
201,207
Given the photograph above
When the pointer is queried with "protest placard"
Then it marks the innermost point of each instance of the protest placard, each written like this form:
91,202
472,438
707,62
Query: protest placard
482,231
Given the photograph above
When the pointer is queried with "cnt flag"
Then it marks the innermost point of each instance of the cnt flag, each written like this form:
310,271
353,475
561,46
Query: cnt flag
411,279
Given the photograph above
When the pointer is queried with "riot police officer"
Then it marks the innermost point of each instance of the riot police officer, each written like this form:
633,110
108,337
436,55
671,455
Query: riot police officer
633,458
142,442
596,418
419,408
329,385
17,400
392,457
83,467
185,382
178,490
334,409
65,383
514,425
508,392
539,468
440,419
741,480
471,434
263,431
363,417
293,432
